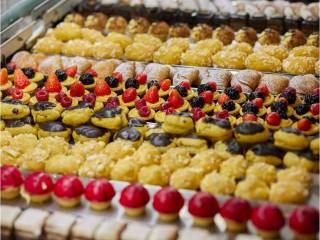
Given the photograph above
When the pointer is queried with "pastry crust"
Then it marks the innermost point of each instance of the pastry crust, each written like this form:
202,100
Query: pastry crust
182,43
213,45
107,49
75,18
269,36
201,32
263,62
241,47
168,55
139,52
186,178
246,34
293,38
216,183
159,30
299,65
298,174
275,83
125,170
96,21
138,25
178,124
24,59
247,79
230,59
77,47
305,51
209,160
175,158
119,38
96,166
64,164
304,159
304,84
224,33
179,30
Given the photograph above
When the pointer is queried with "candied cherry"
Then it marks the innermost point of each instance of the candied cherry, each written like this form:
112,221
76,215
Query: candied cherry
42,95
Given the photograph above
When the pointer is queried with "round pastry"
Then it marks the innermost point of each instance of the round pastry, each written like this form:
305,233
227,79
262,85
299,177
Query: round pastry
255,107
154,175
66,31
45,111
295,174
196,57
269,36
119,38
138,25
263,62
305,51
168,55
88,80
246,34
77,115
234,167
240,47
19,126
77,47
213,45
116,24
290,139
32,75
88,132
304,159
203,207
146,155
304,222
159,30
299,65
252,188
160,140
185,91
265,152
114,83
304,84
75,18
236,212
181,30
99,194
262,171
178,123
134,198
214,129
67,191
293,38
129,134
313,39
251,132
200,32
152,42
282,108
224,33
112,119
139,125
315,145
11,180
53,129
48,45
96,21
18,94
216,183
277,51
192,142
106,50
230,59
152,98
187,178
175,158
168,202
128,97
37,187
182,43
13,109
126,168
306,126
268,220
295,192
228,148
64,78
97,165
275,122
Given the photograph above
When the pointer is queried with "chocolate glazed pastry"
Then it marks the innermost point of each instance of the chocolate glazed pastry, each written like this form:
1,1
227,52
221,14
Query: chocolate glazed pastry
291,130
13,123
136,122
90,131
268,149
223,123
52,127
249,128
233,146
107,113
160,139
41,106
128,133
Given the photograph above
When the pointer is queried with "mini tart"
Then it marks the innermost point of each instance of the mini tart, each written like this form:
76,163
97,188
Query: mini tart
13,109
184,107
88,132
78,98
191,142
47,129
118,90
190,95
25,98
307,114
264,152
161,141
129,134
33,100
53,94
134,113
290,139
296,103
283,124
38,76
88,86
214,129
178,123
130,104
289,112
138,124
262,111
312,131
30,88
105,97
234,112
112,119
45,111
68,82
20,126
11,180
240,120
156,105
228,148
77,115
164,94
5,86
207,108
251,132
304,159
141,90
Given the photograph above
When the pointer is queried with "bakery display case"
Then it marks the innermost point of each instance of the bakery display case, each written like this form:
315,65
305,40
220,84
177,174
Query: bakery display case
148,119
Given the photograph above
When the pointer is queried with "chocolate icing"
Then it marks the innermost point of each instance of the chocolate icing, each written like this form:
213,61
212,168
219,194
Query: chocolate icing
182,114
266,149
12,123
52,126
307,154
223,123
160,139
249,128
41,106
90,131
192,136
291,130
107,112
233,146
12,101
80,105
128,133
136,122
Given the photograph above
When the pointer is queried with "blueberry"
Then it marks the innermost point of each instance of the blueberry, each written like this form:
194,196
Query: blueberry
291,97
113,82
61,75
278,107
153,83
29,72
42,81
255,95
182,91
86,78
204,87
302,108
311,98
197,101
232,93
249,107
132,82
228,105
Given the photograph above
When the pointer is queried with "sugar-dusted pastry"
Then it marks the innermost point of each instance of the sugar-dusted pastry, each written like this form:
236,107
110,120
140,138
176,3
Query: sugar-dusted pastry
53,145
48,45
159,30
138,25
9,215
187,178
30,223
234,167
263,62
200,32
277,51
109,230
179,30
157,72
196,57
246,34
182,43
299,65
125,170
119,149
304,159
230,59
262,171
77,47
96,21
293,38
33,159
91,35
295,192
96,166
275,83
216,183
50,64
224,33
24,59
63,164
269,37
154,175
185,78
85,227
148,39
116,24
146,155
304,84
105,68
305,51
58,225
252,188
75,18
139,52
119,38
313,39
168,55
106,49
136,231
213,45
175,158
67,31
23,142
298,174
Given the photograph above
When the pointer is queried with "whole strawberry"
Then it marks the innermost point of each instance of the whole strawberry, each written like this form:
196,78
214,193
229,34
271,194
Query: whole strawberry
53,84
19,79
102,88
77,89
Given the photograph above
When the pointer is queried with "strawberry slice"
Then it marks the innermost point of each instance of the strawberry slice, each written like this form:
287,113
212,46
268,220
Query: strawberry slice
208,96
238,88
20,80
175,100
258,102
129,95
102,88
248,117
71,71
185,84
17,93
152,95
118,76
142,78
77,89
144,111
263,89
3,76
53,84
92,72
213,85
165,84
223,98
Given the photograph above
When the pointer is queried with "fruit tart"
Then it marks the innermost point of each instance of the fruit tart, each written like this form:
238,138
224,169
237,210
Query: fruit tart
142,111
152,98
20,126
290,94
88,79
168,202
89,132
68,190
274,121
184,89
115,82
235,94
264,152
102,91
128,97
13,109
21,81
307,126
56,128
33,76
77,91
4,81
251,132
164,88
290,139
11,180
99,193
226,104
64,78
37,187
45,111
135,83
110,118
282,108
134,198
262,92
18,94
77,115
247,117
255,107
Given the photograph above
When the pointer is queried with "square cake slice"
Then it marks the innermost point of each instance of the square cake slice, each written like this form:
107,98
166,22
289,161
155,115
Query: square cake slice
85,228
109,230
136,231
164,232
8,215
58,226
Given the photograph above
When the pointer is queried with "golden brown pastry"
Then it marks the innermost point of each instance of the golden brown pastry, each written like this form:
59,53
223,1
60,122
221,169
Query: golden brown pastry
276,51
139,52
269,37
159,30
168,55
246,34
263,171
252,188
213,45
293,192
230,59
182,43
91,35
106,49
293,38
299,65
201,32
209,160
67,31
154,175
313,39
77,47
179,30
96,21
305,51
175,158
224,33
216,183
48,45
24,59
96,166
304,84
196,57
241,47
119,38
148,39
247,79
138,25
294,174
116,24
125,170
263,62
186,178
235,167
75,18
275,83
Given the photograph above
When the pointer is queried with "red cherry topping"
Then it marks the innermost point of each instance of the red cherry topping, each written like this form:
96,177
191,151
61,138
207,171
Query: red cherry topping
169,111
89,98
71,71
17,93
223,98
236,209
165,84
267,217
60,95
263,89
112,102
20,79
77,89
258,102
144,111
273,119
68,187
203,205
315,109
213,85
248,117
168,200
152,95
99,190
42,95
10,177
208,96
129,95
197,113
304,124
175,100
66,101
142,78
238,88
118,76
101,88
38,183
185,84
164,106
92,72
53,84
134,196
224,114
304,220
139,103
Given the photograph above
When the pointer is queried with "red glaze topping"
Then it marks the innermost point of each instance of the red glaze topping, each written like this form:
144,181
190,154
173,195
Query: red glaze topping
77,89
315,109
99,190
17,93
263,89
89,98
112,102
42,95
208,96
203,205
249,117
60,95
185,84
53,84
144,111
164,106
3,76
304,220
258,102
139,103
152,95
142,78
129,95
168,200
71,71
175,100
38,183
236,209
134,196
66,101
68,187
304,124
273,119
165,84
197,113
223,98
20,80
213,85
101,88
224,114
10,177
267,217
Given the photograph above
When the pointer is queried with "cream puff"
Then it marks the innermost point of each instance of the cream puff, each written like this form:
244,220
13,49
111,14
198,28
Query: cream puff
251,132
